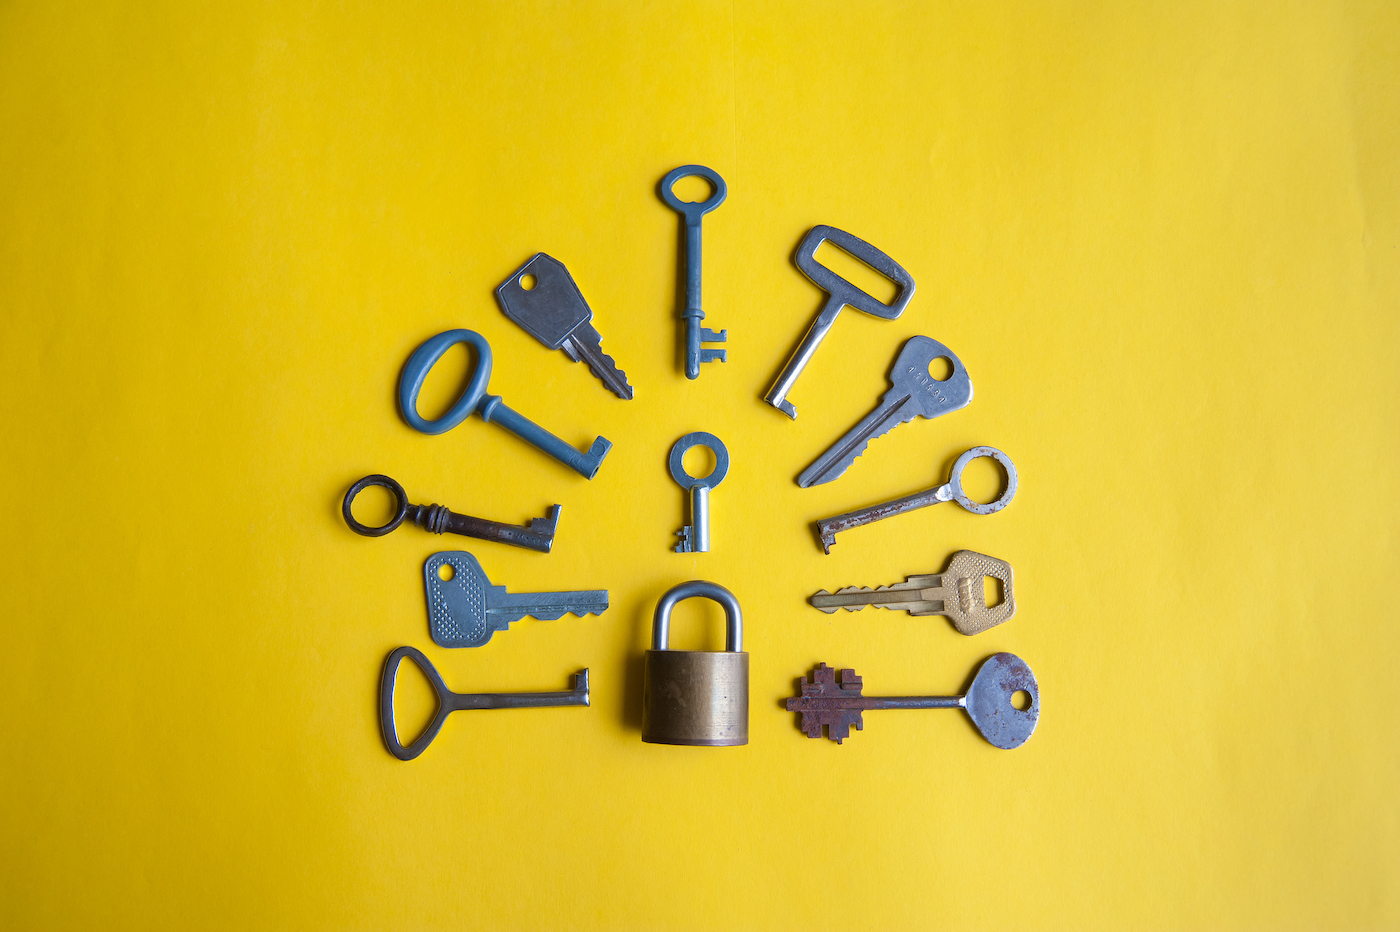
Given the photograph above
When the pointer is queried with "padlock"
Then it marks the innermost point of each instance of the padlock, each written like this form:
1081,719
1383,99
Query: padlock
696,697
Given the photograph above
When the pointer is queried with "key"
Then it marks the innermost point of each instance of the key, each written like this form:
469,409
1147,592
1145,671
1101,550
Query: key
692,212
915,394
553,311
538,535
464,609
840,293
989,702
695,537
958,593
449,702
952,491
491,408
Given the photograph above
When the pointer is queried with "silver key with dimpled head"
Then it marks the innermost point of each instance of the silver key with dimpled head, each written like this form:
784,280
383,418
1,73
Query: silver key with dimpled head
554,312
958,592
464,609
915,394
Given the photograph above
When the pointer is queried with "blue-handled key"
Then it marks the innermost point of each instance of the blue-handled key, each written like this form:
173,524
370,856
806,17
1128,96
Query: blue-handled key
692,212
490,407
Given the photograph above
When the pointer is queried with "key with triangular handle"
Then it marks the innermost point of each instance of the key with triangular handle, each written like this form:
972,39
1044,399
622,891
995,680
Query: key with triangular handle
990,702
958,592
464,609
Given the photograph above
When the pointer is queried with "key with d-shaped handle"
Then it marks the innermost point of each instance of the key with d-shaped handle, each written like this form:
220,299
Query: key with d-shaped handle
916,393
449,702
958,592
989,702
464,609
840,294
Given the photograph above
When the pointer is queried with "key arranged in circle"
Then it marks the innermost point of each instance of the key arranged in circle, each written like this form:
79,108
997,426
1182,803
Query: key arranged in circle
958,592
465,609
916,393
990,702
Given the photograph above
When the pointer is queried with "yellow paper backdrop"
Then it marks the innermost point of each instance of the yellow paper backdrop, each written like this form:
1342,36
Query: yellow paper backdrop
1164,238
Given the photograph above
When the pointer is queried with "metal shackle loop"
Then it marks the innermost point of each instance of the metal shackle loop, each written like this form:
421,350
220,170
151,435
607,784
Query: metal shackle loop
734,618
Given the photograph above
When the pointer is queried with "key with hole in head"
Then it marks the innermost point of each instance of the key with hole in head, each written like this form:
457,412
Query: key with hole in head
989,702
951,491
916,393
840,294
552,310
957,592
537,535
464,609
449,702
692,212
695,536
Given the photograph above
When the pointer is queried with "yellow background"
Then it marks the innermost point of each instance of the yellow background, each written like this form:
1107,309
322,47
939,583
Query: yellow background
1164,238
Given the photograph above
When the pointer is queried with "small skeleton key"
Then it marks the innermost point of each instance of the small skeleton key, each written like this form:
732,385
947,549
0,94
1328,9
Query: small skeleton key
538,535
915,394
692,213
990,702
552,310
449,702
695,536
951,491
957,593
464,609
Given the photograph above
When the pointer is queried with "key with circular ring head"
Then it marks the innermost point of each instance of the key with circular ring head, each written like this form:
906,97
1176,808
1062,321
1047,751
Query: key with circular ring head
695,537
951,491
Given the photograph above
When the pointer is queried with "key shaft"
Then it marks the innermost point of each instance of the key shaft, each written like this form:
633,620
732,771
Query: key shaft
494,411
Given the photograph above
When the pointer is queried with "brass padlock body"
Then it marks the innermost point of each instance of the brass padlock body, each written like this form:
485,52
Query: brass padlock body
696,697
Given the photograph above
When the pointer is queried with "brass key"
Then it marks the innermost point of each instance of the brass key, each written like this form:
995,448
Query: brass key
958,593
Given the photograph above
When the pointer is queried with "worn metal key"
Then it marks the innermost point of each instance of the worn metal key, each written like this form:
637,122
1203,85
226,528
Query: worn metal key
915,394
840,294
990,702
951,491
958,592
538,535
692,212
552,310
464,609
449,702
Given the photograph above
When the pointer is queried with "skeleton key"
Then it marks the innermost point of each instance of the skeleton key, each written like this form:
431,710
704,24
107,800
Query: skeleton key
491,408
464,609
952,491
958,593
840,293
915,394
552,310
538,535
692,212
449,702
990,702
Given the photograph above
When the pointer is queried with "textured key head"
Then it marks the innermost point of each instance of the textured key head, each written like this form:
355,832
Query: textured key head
456,605
844,291
933,397
964,592
991,701
820,703
551,309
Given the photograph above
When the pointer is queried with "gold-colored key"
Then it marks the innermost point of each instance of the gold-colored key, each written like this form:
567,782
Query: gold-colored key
958,592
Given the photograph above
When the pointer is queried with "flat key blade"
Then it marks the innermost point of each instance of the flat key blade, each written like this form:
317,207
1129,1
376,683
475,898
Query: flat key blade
919,595
584,344
503,607
915,394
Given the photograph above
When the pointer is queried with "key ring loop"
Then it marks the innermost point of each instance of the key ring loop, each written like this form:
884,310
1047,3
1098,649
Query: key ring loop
386,703
955,480
415,371
384,482
699,438
693,210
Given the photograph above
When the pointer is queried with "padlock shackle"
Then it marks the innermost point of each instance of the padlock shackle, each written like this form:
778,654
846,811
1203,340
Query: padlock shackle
661,622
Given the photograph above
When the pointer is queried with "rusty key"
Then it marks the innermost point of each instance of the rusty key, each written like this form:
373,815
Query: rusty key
538,535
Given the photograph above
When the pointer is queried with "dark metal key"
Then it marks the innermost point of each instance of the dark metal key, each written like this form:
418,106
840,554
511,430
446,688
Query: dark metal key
449,702
692,212
538,535
552,310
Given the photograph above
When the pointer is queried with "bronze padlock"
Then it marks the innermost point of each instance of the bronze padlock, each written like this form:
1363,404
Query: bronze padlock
696,697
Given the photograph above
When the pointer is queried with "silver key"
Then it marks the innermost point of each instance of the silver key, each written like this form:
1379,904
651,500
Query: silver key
464,609
952,491
957,592
915,394
695,536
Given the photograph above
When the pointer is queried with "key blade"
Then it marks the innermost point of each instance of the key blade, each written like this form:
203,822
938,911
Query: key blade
920,595
584,344
503,607
549,311
832,464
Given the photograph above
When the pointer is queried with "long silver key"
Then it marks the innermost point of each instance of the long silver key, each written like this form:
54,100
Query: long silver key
552,310
951,491
464,609
915,394
957,592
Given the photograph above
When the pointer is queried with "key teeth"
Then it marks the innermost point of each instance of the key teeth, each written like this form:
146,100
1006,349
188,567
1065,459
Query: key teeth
713,355
713,336
687,543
